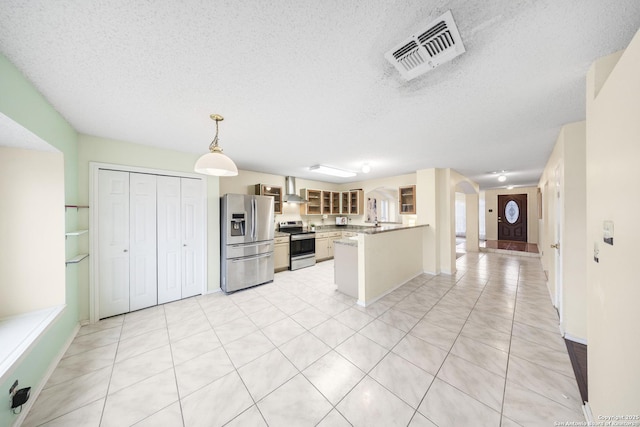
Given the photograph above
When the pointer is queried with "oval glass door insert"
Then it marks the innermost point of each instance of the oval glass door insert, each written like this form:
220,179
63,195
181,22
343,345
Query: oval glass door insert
511,211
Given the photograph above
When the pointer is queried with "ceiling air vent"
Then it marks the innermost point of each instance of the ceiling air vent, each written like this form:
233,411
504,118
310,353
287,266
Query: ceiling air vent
438,43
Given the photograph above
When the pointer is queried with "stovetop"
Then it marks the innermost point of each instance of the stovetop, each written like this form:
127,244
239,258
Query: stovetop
294,227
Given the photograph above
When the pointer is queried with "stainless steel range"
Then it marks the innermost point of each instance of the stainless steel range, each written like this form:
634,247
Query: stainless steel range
302,245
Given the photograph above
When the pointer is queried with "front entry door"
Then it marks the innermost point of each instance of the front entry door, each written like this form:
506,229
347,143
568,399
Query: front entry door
512,217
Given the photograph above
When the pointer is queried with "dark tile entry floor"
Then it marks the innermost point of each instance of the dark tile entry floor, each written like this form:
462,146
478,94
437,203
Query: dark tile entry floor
510,246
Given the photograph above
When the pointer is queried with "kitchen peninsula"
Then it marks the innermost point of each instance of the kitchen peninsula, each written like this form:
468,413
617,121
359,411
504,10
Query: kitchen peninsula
387,257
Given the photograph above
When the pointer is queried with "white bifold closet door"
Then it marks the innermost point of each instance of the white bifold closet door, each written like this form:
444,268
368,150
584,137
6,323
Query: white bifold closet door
180,238
127,242
143,283
193,240
150,240
113,240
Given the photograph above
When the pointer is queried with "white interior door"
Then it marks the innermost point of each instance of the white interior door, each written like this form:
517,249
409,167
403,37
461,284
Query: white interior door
558,241
169,240
113,238
192,237
143,287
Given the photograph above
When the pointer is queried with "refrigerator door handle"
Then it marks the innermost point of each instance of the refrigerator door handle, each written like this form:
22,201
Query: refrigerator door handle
252,257
251,245
254,208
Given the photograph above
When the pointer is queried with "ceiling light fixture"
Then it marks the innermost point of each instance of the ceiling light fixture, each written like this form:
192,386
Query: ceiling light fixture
509,187
327,170
366,168
502,178
215,162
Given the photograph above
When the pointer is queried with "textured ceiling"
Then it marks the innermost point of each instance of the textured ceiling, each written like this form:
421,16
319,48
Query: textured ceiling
305,82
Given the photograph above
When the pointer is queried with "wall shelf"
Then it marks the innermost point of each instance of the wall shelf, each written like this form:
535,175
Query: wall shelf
76,259
75,207
75,233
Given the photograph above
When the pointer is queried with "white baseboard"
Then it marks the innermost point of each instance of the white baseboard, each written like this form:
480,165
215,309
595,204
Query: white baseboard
35,391
366,303
586,410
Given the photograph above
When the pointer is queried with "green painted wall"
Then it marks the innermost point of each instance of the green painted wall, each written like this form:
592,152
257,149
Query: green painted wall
104,150
21,102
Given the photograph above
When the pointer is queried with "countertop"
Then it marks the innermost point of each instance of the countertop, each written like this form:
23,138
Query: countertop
347,241
390,227
360,229
369,229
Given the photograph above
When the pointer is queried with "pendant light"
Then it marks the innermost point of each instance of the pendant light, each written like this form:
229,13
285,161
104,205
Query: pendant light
215,162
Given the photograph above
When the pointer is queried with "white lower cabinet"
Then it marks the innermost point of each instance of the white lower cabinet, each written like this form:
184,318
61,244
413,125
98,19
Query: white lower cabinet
150,240
322,250
281,253
324,244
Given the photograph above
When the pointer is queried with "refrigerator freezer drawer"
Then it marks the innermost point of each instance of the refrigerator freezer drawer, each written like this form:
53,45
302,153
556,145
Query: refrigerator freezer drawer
248,271
247,249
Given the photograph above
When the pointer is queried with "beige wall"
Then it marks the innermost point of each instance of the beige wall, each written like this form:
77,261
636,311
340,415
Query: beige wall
613,151
102,150
32,226
245,183
393,182
435,196
472,243
491,218
401,249
435,205
470,191
569,160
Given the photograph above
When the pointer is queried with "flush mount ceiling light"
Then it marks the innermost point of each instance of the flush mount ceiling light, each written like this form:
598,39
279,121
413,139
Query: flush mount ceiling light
215,162
509,187
366,168
327,170
502,178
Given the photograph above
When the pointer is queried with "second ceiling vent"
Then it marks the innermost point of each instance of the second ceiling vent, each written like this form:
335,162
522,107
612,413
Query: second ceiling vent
437,43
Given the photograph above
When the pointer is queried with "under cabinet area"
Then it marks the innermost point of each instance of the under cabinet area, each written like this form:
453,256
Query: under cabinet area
281,253
273,191
407,199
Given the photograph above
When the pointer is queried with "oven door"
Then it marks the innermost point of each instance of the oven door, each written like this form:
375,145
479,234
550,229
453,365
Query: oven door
302,246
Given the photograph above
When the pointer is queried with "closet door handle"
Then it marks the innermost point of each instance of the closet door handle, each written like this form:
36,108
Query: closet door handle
126,250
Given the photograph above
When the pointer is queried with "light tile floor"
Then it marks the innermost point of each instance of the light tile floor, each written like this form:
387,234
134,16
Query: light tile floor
478,348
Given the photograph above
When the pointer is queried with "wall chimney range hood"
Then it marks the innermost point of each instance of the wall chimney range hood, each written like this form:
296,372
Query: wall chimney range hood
291,195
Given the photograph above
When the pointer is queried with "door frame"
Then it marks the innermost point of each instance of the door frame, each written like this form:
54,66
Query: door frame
523,213
557,256
94,168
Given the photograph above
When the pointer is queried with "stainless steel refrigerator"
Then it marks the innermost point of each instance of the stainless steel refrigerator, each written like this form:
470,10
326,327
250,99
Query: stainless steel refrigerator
247,229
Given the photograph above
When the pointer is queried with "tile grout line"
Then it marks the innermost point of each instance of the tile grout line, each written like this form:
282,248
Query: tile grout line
449,353
113,366
513,320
